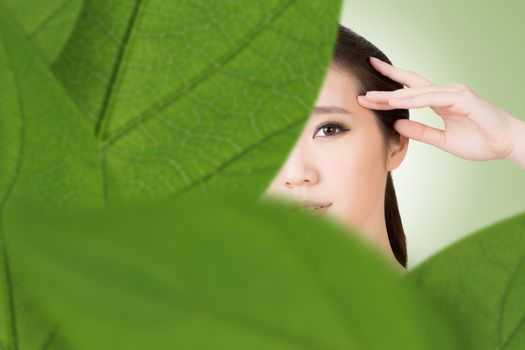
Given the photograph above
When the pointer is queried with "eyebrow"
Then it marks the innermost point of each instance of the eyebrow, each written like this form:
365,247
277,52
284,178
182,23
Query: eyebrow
330,109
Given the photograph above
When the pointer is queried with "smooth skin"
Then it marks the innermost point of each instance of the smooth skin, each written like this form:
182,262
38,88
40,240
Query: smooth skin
347,165
474,128
340,158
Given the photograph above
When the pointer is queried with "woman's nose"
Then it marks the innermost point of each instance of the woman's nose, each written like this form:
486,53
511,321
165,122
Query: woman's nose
300,175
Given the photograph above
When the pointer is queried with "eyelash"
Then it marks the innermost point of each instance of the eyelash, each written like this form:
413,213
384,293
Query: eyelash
330,123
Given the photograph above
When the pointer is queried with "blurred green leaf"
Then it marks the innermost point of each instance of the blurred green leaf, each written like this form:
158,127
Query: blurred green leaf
216,274
248,94
480,282
47,24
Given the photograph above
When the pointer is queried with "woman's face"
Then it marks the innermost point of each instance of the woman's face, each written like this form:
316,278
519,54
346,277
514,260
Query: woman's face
342,164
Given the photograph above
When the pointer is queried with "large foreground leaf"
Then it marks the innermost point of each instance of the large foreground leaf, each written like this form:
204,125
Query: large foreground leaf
219,275
480,281
196,95
249,97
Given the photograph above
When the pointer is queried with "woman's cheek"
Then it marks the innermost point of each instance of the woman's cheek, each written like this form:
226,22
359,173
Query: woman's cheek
356,183
347,183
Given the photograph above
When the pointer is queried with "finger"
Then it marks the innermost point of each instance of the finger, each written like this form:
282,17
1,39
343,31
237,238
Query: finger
363,101
400,75
384,96
421,132
431,99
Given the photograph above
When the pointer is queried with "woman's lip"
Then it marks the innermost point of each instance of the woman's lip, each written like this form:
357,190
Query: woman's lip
323,207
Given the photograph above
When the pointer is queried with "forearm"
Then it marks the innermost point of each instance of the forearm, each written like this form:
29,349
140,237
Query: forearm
517,155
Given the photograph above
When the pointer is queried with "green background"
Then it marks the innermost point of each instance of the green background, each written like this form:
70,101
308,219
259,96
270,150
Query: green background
442,198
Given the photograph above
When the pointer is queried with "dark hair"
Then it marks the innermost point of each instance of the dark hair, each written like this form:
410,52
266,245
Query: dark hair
352,53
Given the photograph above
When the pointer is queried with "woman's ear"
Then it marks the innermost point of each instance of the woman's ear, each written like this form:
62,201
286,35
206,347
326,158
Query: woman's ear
397,153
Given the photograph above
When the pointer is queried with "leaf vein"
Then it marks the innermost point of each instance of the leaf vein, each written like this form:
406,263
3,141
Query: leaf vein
9,189
237,156
206,74
115,74
49,339
48,18
502,344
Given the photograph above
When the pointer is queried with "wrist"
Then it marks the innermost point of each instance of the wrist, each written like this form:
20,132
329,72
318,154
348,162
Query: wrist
517,153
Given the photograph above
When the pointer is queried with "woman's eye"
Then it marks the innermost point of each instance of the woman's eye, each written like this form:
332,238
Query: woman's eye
329,130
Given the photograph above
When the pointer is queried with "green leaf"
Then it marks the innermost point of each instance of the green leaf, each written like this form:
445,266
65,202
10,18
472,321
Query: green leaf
48,159
480,281
52,157
187,95
216,274
47,24
167,98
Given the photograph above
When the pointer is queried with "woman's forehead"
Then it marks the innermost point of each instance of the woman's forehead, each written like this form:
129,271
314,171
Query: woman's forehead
340,89
338,77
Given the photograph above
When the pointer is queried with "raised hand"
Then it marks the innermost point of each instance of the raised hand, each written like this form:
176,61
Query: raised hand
474,128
